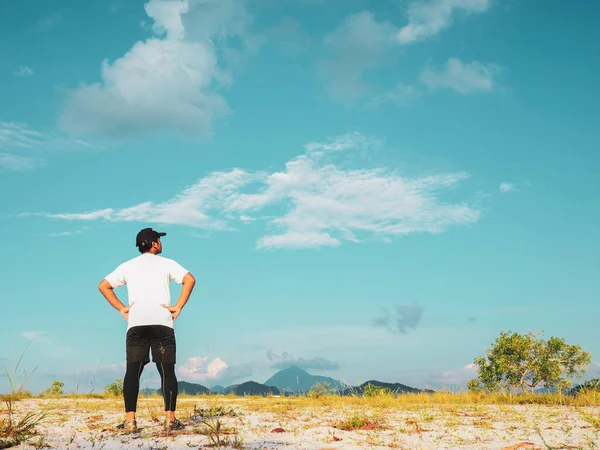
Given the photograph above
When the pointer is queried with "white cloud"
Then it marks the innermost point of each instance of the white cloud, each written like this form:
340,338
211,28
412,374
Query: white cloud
426,19
23,71
316,200
507,187
33,334
201,370
192,207
362,43
65,233
464,78
298,240
20,163
108,369
328,204
458,377
285,359
167,17
359,44
167,83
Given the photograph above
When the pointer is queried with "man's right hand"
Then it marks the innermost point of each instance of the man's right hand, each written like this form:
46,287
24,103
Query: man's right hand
125,312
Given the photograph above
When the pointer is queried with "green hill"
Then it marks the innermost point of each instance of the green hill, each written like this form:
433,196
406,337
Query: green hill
253,388
295,380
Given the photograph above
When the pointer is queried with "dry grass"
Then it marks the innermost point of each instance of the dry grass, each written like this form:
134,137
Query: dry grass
383,420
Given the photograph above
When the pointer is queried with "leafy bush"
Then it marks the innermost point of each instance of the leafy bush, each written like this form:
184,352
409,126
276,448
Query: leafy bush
114,388
56,389
320,389
371,390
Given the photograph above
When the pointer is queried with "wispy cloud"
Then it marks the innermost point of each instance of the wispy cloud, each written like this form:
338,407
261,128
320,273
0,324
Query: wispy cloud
359,44
401,318
20,163
402,95
33,334
65,233
202,205
23,71
507,187
14,135
285,359
287,36
22,145
51,19
464,78
363,43
44,339
456,378
427,19
169,82
322,201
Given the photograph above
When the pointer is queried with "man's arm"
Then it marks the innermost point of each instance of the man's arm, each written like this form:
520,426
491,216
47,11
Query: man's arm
107,290
188,283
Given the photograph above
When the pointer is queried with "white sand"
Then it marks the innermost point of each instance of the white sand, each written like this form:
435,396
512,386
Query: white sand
89,424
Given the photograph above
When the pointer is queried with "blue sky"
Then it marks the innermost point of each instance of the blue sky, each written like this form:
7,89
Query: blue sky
367,189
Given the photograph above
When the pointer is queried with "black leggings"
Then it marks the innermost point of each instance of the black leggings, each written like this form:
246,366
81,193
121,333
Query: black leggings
131,385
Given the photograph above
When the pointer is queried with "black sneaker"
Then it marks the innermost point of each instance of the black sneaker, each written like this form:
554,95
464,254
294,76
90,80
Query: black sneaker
173,425
128,427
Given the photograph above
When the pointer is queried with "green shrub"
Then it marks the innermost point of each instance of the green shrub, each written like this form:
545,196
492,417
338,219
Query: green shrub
56,389
114,388
320,389
376,391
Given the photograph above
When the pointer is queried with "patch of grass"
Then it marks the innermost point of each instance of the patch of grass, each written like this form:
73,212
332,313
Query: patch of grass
214,411
16,428
593,420
359,421
218,435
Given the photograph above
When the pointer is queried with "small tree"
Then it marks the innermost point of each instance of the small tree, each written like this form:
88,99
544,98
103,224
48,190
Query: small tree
320,389
372,390
525,361
115,387
56,389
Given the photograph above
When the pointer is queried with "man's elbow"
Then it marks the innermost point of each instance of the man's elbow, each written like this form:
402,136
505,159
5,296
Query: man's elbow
189,279
104,285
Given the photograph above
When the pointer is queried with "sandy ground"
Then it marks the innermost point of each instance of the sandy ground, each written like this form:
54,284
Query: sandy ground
89,424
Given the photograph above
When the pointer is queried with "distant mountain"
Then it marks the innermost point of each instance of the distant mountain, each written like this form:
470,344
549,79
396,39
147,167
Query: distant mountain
396,388
293,379
218,389
148,391
593,384
252,388
289,381
184,387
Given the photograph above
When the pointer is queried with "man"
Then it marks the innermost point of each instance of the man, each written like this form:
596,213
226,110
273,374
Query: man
150,319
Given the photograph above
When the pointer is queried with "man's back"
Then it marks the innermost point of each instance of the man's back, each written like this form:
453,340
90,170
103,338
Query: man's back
147,278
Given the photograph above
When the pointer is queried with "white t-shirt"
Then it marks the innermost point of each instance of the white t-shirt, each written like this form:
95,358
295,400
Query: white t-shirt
147,278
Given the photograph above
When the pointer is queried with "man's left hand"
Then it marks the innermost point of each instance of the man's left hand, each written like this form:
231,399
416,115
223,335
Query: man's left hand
175,311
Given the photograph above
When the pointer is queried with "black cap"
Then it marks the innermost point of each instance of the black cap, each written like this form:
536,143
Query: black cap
146,236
